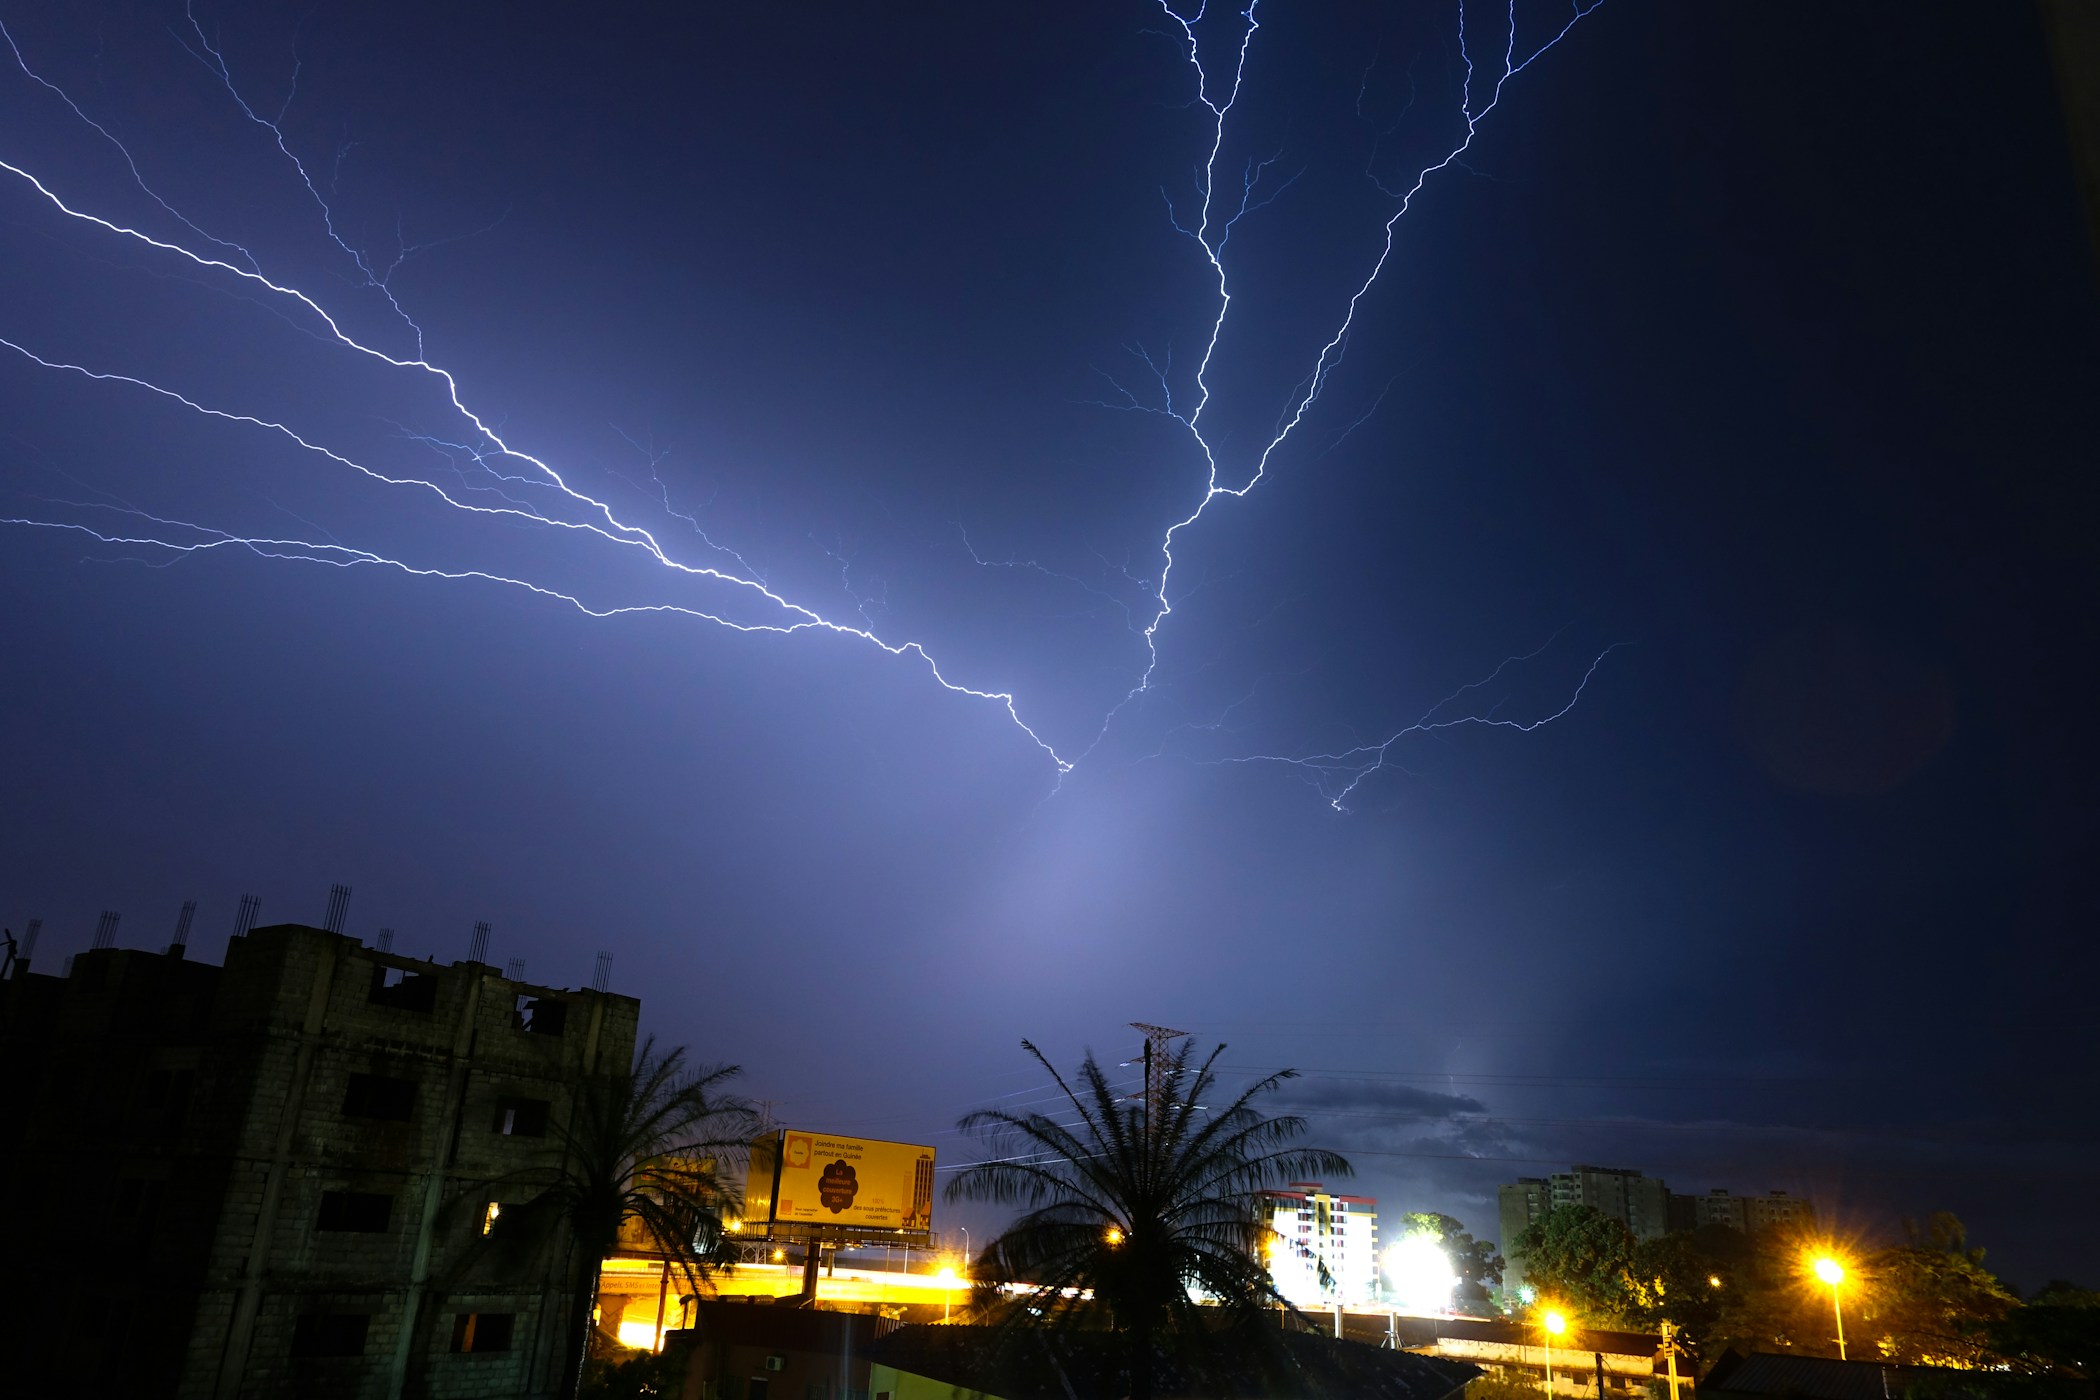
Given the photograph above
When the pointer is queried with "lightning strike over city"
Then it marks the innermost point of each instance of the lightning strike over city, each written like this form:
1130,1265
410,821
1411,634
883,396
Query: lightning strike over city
1520,570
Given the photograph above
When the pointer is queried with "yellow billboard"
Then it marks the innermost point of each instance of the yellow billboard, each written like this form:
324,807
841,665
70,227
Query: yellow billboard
806,1178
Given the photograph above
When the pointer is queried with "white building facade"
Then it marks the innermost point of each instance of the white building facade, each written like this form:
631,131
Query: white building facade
1315,1228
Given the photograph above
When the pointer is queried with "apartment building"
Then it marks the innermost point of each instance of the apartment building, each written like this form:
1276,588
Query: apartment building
281,1177
1315,1231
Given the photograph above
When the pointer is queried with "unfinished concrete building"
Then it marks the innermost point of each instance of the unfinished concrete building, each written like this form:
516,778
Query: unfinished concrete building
282,1177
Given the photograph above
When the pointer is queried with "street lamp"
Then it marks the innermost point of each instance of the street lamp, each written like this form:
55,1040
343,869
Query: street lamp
1556,1325
1421,1274
1833,1273
966,1244
946,1279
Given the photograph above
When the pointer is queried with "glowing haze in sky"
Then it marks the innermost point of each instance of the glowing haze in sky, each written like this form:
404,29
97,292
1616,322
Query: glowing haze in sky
1516,558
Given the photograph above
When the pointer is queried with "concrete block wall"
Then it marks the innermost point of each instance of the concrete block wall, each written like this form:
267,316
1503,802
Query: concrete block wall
269,1044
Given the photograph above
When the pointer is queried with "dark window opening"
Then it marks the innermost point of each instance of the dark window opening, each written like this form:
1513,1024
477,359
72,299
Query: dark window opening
89,1317
407,991
330,1334
380,1096
482,1331
540,1015
354,1212
522,1117
134,1206
164,1099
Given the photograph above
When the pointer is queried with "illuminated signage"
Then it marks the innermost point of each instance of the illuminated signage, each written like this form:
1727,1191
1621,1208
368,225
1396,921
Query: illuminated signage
816,1179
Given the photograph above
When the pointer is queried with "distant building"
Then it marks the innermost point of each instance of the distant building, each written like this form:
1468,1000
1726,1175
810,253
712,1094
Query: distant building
1644,1205
1316,1229
1518,1204
279,1177
1750,1215
1640,1203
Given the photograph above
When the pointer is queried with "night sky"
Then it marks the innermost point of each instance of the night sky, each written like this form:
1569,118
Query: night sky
1749,346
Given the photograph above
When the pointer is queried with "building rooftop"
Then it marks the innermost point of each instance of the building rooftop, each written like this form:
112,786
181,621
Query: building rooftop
1262,1361
1821,1378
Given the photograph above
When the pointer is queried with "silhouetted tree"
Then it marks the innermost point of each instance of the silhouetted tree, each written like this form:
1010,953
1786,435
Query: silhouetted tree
642,1145
1136,1203
1690,1279
1931,1301
2057,1332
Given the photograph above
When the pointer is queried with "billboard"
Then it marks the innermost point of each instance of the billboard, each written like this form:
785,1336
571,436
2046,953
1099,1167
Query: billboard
802,1179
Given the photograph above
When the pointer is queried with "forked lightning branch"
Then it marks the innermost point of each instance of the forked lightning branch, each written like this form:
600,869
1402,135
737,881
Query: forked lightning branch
491,478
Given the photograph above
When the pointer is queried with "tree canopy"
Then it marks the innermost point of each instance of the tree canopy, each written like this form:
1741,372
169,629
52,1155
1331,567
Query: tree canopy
1930,1301
1135,1206
2056,1333
1581,1258
1926,1301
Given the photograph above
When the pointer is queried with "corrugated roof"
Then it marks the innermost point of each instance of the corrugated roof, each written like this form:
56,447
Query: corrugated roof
1281,1366
1821,1378
1808,1377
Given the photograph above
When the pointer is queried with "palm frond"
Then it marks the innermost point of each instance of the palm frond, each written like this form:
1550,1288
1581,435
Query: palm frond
1132,1204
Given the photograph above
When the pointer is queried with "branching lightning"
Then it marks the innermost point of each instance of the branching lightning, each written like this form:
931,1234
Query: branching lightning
596,516
485,475
1341,772
1212,230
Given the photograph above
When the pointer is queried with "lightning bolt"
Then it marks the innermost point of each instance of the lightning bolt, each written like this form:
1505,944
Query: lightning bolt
488,450
213,59
1351,766
489,476
1211,231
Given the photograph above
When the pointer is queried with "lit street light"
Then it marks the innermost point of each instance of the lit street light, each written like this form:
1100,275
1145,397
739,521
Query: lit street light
946,1279
1556,1325
1833,1273
1421,1274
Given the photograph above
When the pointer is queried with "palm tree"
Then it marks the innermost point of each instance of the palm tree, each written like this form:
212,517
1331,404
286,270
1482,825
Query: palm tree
643,1146
1136,1204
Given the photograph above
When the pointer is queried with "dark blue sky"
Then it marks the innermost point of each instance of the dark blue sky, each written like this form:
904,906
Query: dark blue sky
1757,340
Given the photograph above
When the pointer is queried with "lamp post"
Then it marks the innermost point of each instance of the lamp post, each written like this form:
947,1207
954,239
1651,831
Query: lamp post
966,1246
1833,1273
1555,1325
946,1279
